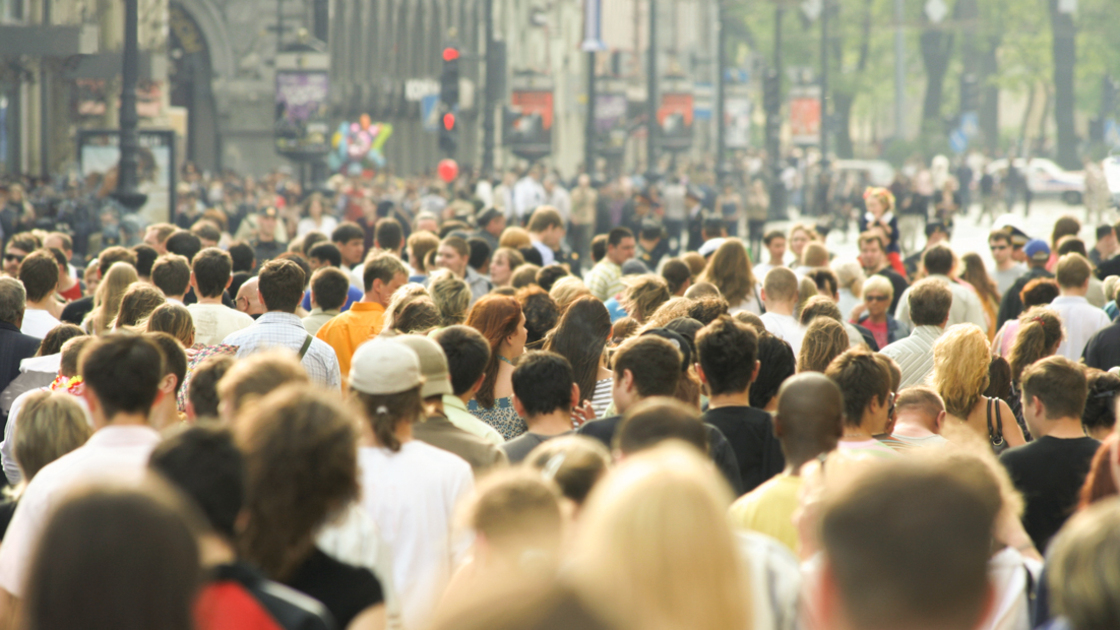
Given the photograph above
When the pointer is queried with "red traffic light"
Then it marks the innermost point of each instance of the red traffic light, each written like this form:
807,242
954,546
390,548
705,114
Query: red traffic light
450,54
449,121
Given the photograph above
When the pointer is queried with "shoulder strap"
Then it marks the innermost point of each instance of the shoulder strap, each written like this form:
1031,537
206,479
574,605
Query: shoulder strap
305,346
996,432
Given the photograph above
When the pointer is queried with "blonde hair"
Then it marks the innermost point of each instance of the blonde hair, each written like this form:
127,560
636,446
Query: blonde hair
655,550
1082,570
574,462
815,254
175,320
644,295
50,425
514,238
851,277
518,512
673,308
255,377
452,297
1040,330
960,368
730,271
825,339
567,290
400,299
880,284
107,301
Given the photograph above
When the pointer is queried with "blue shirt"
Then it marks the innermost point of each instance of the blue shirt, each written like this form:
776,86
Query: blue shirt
353,294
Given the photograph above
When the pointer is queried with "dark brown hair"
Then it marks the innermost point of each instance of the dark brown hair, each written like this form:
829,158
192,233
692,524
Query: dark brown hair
385,411
580,337
281,285
39,274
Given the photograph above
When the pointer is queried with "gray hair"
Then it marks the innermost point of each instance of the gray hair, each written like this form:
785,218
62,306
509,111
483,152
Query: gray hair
13,300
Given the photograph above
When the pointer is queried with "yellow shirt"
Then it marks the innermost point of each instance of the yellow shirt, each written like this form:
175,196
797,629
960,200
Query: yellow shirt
769,508
350,330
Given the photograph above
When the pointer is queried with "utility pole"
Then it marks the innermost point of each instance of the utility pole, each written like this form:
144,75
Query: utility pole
44,104
773,101
589,129
824,85
127,193
899,72
651,94
721,87
489,96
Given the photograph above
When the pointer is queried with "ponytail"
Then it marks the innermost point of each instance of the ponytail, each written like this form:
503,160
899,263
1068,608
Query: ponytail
1040,329
384,412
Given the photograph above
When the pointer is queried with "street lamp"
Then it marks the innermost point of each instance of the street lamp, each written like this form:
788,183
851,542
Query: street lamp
127,192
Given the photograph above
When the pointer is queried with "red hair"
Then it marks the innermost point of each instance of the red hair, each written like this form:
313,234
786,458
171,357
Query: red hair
1099,483
496,317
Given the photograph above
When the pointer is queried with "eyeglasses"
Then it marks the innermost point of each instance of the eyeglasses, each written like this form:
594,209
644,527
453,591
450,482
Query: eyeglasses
998,248
876,298
15,257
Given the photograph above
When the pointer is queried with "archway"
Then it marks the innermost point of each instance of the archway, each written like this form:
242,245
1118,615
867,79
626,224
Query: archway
191,74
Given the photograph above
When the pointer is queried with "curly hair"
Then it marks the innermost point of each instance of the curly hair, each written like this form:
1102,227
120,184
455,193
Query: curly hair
673,308
301,466
1040,331
1099,407
825,339
960,368
707,309
541,312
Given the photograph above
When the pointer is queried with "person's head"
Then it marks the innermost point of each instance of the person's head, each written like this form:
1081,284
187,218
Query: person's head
999,242
39,275
874,575
654,548
814,255
877,295
19,246
388,235
581,336
566,291
800,235
433,366
1039,292
1099,417
111,255
809,417
280,284
1072,272
382,275
419,316
351,242
13,301
930,300
208,233
451,297
515,238
543,385
547,226
70,361
779,287
324,255
516,515
143,572
61,241
110,292
468,354
172,275
677,276
202,395
57,337
301,468
776,363
1106,239
500,320
385,380
1039,335
960,368
575,463
329,288
492,221
541,312
775,242
825,339
184,244
122,375
1065,226
712,228
728,352
644,366
211,272
205,465
549,274
866,384
828,285
920,405
654,420
1037,252
643,295
502,265
1053,388
254,377
248,299
51,424
175,320
1080,572
174,367
620,245
938,260
242,256
730,271
157,234
872,253
480,254
137,304
453,255
815,307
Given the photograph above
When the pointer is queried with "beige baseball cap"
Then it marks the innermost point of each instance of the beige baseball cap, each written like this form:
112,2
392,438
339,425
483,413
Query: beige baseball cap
433,364
384,366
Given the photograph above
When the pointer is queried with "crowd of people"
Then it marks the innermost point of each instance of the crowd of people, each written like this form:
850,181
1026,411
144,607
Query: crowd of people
508,404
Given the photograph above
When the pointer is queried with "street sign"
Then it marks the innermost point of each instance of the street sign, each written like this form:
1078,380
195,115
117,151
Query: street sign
805,114
302,127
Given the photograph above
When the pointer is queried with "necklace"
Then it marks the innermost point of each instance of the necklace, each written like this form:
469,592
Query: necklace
505,359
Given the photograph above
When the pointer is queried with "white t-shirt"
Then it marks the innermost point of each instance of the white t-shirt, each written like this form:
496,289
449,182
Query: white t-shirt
785,327
412,496
37,322
213,322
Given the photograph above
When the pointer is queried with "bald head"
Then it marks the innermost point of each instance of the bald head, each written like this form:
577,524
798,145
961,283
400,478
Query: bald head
249,298
809,420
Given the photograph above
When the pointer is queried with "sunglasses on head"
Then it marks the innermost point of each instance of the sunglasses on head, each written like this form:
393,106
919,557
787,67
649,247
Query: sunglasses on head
877,298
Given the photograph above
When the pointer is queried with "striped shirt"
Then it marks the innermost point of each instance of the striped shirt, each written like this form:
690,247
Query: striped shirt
605,280
601,397
914,354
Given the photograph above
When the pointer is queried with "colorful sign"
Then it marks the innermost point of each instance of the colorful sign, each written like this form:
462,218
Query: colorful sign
301,126
610,123
357,145
805,115
528,124
675,119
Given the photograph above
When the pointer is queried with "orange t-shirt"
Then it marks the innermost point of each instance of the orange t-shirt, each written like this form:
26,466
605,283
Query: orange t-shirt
351,329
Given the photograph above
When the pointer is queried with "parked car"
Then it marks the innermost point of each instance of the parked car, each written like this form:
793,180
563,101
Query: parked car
1046,178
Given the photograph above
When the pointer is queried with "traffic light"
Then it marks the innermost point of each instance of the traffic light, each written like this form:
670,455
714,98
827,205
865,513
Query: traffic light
449,101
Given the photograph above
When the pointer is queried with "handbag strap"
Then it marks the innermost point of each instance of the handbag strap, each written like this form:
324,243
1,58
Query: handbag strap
305,346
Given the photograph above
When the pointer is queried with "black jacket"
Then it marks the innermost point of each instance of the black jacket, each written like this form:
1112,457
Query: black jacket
14,347
1011,306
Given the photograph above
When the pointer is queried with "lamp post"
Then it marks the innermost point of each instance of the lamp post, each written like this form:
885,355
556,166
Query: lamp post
651,92
127,192
489,96
721,80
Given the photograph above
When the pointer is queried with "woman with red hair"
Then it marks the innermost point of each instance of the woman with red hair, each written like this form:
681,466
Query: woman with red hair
500,320
880,218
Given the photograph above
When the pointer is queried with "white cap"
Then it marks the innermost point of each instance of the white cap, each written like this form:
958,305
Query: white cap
382,366
710,246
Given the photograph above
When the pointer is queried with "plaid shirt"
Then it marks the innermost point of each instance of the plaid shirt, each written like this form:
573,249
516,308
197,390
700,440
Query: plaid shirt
284,330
